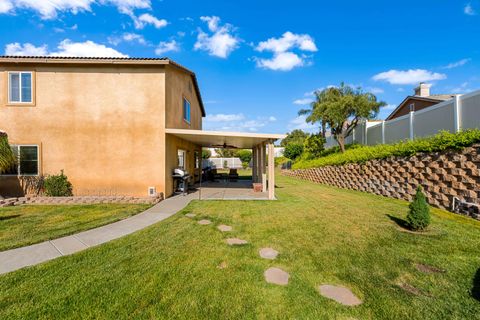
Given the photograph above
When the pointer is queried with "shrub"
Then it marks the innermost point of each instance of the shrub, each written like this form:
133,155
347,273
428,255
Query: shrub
245,155
418,217
57,185
314,145
293,151
7,158
206,154
440,142
245,165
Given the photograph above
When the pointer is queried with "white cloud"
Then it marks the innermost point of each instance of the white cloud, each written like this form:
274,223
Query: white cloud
456,64
284,59
400,90
300,122
48,9
236,122
66,48
147,19
303,102
220,117
26,49
222,40
375,90
127,37
167,46
409,76
468,10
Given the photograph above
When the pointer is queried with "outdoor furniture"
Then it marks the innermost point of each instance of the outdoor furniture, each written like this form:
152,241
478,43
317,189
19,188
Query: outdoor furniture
233,175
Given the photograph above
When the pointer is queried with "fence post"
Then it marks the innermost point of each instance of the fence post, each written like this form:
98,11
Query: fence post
365,130
412,115
383,132
353,135
457,104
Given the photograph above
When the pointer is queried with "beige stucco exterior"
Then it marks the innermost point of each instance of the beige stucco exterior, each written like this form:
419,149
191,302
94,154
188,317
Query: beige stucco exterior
103,123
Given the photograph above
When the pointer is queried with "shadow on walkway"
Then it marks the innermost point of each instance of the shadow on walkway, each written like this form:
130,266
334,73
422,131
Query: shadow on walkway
476,286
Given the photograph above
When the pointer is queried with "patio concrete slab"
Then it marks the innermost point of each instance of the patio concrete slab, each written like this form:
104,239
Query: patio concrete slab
15,259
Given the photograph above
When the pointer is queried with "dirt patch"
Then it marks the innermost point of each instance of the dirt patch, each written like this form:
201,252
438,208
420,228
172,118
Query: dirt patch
411,289
425,268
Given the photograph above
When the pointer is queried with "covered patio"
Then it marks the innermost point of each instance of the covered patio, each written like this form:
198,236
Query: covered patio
262,172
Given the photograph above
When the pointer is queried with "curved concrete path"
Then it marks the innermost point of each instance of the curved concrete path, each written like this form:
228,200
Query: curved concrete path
15,259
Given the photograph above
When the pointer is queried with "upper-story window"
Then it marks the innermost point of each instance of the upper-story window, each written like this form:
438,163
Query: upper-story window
186,110
20,88
27,161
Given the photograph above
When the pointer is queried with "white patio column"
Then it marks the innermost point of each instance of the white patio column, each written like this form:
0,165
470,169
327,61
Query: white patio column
254,164
271,171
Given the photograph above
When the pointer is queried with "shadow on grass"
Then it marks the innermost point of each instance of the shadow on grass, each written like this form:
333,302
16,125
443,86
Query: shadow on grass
9,217
476,286
400,222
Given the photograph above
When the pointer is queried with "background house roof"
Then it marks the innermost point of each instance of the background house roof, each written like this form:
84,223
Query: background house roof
105,61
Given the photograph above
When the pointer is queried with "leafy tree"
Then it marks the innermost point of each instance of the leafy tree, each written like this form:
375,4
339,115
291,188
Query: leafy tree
226,153
245,155
341,108
418,217
296,136
7,157
293,150
314,144
206,154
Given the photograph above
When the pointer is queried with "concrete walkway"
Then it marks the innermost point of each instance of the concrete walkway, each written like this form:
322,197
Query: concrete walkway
15,259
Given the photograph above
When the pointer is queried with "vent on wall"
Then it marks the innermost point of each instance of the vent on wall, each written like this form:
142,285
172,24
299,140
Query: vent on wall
152,192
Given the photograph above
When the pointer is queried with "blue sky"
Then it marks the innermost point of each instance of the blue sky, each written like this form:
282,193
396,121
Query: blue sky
258,61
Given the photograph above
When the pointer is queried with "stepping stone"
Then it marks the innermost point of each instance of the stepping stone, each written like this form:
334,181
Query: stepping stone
190,215
276,276
236,241
268,253
340,294
204,222
224,228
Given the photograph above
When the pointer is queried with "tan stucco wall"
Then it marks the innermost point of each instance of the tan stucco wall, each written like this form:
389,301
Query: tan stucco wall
103,125
179,85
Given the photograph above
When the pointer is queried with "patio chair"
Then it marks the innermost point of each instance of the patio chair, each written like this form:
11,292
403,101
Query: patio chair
233,175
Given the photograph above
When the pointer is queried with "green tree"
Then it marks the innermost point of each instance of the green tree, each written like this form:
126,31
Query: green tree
7,157
245,155
296,136
206,154
314,144
293,150
418,217
226,153
341,108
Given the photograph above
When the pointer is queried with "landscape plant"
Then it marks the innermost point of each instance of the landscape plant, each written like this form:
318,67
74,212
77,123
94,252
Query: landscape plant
418,217
293,150
7,157
314,145
296,136
57,185
360,154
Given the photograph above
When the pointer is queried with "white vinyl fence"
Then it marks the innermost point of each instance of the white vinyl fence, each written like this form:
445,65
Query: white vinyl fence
459,113
219,163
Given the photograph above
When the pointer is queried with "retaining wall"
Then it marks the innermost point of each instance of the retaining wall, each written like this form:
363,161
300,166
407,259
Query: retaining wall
443,176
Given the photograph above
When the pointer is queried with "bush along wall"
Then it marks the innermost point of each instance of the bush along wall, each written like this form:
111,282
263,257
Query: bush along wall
443,176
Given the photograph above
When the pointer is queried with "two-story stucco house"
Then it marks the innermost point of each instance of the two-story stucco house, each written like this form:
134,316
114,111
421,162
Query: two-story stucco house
105,122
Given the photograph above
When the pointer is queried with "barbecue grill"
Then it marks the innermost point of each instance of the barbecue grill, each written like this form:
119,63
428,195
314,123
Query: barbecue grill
180,180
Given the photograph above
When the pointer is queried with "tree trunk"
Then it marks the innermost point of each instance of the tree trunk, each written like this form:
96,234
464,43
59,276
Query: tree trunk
341,141
324,129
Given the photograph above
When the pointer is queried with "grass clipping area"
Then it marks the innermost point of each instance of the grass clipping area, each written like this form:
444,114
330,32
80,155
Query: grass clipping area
24,225
324,235
361,154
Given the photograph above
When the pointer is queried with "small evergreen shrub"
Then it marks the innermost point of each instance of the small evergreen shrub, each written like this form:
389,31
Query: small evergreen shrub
418,217
57,185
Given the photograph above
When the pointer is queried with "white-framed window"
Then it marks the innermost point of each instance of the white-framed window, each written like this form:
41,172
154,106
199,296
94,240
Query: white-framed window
181,158
186,110
20,87
27,161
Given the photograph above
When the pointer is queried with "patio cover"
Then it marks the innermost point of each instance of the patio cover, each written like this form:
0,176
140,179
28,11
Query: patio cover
241,140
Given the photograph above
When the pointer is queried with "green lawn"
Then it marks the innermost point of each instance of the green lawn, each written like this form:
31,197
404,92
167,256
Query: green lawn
323,234
24,225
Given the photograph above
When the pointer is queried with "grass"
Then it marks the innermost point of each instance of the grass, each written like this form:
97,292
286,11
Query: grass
24,225
243,174
323,234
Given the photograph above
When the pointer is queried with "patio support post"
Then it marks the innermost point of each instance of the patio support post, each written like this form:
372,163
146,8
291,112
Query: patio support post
271,171
254,164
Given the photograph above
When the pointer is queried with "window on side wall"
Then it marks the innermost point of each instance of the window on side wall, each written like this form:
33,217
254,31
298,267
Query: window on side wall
27,161
186,110
20,87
